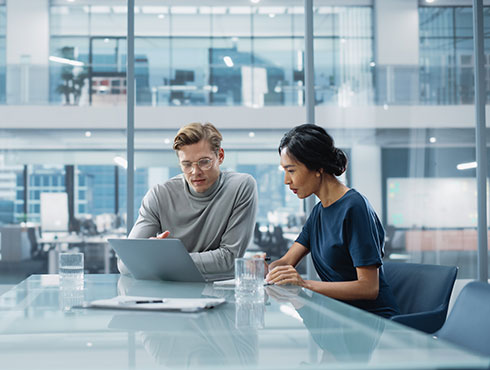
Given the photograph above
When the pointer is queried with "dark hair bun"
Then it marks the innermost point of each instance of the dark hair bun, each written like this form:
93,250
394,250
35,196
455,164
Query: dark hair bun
314,147
340,161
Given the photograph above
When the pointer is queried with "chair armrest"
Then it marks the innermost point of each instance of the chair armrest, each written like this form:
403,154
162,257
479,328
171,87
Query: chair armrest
427,321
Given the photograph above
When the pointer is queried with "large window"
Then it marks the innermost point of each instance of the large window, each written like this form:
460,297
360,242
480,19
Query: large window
446,55
221,55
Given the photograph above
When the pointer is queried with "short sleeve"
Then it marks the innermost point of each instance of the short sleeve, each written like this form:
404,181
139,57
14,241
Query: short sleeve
304,237
364,236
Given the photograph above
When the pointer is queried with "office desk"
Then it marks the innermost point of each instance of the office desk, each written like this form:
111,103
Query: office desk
291,329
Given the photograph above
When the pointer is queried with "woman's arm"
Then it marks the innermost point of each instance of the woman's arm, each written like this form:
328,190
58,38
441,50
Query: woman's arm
292,257
365,287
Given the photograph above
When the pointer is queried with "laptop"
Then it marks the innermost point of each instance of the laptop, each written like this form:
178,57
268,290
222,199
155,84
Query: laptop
157,259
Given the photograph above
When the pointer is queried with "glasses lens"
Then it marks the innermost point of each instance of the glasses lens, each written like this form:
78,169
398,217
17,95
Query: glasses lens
186,167
204,164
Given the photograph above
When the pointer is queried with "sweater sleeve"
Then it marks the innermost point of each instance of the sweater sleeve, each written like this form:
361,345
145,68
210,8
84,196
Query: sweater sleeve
236,236
146,225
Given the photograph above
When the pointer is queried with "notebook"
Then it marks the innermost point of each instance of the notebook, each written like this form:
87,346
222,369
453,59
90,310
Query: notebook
155,303
157,259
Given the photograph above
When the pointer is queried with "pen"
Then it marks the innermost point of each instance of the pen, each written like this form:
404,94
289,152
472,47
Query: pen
144,301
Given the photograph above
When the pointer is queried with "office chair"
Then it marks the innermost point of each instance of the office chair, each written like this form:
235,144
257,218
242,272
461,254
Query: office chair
422,293
468,324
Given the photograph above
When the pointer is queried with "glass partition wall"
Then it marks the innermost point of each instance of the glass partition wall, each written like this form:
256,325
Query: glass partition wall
406,125
3,26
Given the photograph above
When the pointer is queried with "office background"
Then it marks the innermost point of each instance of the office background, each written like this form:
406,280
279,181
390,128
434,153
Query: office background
393,85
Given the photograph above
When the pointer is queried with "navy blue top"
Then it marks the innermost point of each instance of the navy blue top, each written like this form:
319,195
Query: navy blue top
345,235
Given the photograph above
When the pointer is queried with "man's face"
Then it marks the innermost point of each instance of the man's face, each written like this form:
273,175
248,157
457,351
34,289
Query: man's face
200,164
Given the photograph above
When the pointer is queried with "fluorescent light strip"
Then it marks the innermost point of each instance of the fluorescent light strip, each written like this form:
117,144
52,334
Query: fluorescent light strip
228,61
296,10
212,10
71,62
183,9
272,10
120,161
241,10
154,9
100,9
466,166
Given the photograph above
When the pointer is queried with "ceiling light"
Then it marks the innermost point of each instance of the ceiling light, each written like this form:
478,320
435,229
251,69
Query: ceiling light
466,166
432,139
228,61
429,1
161,16
372,64
272,15
88,134
251,134
166,141
255,1
71,62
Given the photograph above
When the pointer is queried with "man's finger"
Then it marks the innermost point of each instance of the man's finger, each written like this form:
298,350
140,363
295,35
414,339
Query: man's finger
163,235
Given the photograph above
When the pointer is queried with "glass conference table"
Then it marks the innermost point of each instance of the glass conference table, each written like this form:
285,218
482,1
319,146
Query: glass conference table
291,328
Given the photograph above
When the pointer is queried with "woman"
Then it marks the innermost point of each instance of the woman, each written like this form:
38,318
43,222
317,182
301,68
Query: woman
342,233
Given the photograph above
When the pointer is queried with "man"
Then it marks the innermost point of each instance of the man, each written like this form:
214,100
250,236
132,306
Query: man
211,212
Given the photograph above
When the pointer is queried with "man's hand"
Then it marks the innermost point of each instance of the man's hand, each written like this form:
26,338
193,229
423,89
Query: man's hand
163,235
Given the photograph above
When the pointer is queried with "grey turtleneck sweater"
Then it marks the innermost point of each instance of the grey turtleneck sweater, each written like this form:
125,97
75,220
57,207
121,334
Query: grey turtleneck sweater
215,226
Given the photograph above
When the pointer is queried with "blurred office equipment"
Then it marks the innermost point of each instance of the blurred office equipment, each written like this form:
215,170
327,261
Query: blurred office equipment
468,324
270,239
422,293
395,248
15,244
20,255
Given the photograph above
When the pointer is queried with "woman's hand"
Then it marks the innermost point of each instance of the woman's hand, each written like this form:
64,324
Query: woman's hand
266,266
286,274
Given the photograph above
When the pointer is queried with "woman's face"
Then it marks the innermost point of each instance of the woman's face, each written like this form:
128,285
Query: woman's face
302,181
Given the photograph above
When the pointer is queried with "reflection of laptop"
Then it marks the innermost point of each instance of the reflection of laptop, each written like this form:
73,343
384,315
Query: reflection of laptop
157,259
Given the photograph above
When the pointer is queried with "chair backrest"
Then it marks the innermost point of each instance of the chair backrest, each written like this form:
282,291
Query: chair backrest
468,323
420,287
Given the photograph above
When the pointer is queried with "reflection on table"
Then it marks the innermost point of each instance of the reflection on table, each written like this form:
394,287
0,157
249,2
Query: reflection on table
288,328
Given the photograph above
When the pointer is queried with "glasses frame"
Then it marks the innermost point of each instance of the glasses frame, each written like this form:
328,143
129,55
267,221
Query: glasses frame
189,169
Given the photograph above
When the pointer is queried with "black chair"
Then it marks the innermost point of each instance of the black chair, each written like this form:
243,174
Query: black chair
468,323
422,293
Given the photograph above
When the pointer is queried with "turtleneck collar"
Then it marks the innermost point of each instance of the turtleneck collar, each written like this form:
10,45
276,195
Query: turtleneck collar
208,193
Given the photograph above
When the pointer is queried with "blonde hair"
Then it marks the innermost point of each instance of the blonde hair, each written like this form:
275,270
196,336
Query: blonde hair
195,132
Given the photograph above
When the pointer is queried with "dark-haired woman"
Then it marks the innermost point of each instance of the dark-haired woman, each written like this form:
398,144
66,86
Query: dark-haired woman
342,233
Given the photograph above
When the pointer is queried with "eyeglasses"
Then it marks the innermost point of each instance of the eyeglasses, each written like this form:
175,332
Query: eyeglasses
204,164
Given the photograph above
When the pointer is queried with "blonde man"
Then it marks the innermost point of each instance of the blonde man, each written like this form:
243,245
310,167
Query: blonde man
210,211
